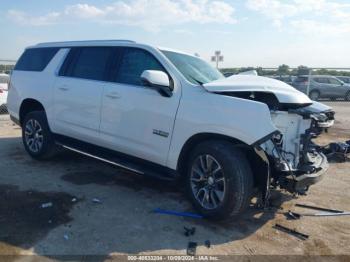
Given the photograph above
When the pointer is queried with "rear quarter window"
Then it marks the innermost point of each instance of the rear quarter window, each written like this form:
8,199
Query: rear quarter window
35,59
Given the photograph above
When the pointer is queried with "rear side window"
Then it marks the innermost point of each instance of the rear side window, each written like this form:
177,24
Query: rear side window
133,62
87,62
321,80
35,59
301,79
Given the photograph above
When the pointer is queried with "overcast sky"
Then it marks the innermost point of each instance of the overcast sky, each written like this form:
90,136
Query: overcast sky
249,33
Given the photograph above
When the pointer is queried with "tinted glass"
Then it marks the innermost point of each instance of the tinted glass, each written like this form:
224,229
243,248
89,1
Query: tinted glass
133,62
334,81
301,79
87,62
193,68
35,59
321,80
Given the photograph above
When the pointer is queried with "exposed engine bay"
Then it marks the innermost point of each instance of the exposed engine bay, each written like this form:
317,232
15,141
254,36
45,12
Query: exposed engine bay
292,152
294,161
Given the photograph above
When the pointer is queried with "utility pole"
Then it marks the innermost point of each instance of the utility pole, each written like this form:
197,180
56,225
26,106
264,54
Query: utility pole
309,82
217,58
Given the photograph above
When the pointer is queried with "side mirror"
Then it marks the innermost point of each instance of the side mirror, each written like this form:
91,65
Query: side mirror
157,80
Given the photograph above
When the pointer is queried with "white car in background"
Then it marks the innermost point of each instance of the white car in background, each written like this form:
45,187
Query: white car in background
4,80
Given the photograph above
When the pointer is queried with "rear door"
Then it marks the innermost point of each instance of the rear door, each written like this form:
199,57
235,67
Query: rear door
78,92
337,89
137,120
321,84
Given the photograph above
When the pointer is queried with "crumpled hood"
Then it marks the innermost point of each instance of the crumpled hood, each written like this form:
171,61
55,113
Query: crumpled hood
243,83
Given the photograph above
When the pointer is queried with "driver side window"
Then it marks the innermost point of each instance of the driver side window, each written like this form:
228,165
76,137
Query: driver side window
132,64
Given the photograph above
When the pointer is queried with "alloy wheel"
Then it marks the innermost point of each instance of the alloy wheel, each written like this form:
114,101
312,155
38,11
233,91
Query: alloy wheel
208,181
34,135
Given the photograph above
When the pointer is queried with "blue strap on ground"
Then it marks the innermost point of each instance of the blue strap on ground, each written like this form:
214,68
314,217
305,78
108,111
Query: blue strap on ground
174,213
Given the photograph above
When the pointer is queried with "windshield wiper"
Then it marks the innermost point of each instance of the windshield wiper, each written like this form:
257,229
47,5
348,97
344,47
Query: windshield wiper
197,81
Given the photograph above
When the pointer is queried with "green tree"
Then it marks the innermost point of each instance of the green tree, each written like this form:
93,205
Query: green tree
283,70
302,70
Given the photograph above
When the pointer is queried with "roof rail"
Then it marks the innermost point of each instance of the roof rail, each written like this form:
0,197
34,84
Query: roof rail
86,41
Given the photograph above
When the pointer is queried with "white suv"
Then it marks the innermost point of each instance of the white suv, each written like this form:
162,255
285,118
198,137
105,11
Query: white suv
168,114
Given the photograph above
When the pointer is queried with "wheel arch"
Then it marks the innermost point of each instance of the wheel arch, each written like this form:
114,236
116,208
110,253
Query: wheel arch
29,105
255,161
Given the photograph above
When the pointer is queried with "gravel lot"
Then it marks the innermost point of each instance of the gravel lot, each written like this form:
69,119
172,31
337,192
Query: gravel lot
124,223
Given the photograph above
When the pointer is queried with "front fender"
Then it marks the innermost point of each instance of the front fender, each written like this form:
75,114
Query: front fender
202,112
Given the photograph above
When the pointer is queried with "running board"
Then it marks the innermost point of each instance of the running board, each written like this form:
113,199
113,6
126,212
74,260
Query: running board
136,165
101,159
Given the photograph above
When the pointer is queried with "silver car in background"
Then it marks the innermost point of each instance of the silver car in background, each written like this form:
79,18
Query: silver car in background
345,79
322,86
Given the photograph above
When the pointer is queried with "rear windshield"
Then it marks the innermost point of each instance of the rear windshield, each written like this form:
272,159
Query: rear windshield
35,59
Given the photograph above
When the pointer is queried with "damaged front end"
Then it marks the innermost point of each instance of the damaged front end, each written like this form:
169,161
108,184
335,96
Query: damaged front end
296,162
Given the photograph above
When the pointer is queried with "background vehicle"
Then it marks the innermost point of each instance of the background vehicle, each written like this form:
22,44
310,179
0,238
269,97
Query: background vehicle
168,114
323,87
285,78
4,79
345,79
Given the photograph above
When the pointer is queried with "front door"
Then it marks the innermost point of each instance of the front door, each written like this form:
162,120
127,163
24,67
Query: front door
137,120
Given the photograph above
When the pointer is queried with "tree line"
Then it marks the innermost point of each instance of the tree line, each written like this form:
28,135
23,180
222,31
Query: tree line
284,70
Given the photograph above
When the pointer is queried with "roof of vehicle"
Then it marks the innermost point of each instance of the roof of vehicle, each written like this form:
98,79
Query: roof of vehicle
317,76
83,43
98,43
343,76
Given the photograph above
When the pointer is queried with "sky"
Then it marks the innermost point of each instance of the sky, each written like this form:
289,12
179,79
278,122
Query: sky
265,33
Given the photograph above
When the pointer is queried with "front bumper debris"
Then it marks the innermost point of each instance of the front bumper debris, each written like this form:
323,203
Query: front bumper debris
309,174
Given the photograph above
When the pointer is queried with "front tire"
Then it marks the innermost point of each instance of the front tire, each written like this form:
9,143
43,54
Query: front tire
219,180
36,136
314,95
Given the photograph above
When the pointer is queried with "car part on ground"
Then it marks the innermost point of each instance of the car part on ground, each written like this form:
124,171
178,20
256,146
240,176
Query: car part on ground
176,213
293,232
191,248
319,208
337,151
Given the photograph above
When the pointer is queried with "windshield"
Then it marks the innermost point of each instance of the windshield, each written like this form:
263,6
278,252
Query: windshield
192,68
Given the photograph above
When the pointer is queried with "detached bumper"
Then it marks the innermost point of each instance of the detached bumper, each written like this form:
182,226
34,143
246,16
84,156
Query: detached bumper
309,175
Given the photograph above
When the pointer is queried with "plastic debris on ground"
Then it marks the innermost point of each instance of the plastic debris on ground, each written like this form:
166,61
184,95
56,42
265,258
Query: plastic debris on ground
46,205
189,231
191,248
175,213
96,200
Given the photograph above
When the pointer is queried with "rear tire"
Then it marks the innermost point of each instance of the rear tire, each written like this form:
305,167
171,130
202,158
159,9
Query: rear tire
219,194
37,137
347,96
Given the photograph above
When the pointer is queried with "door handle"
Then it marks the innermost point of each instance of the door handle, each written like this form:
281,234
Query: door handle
113,95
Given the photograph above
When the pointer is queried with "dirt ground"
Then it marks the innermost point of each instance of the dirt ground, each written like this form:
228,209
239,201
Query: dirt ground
123,222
